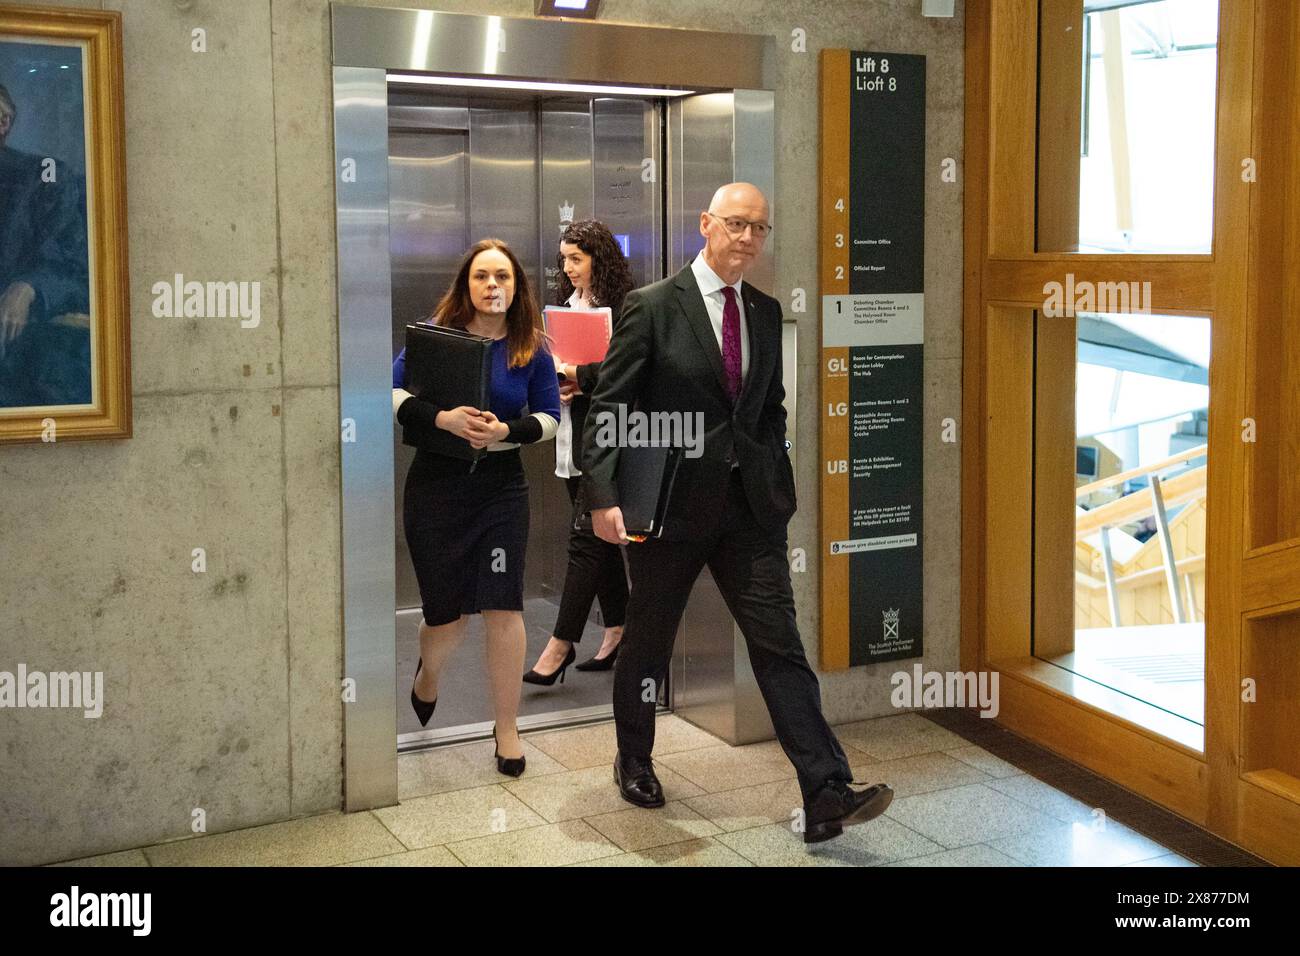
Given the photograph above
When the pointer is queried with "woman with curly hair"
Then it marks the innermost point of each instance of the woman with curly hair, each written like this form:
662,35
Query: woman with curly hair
593,273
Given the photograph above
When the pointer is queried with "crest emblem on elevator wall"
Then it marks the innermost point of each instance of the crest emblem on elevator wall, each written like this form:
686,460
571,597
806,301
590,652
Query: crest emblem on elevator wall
566,212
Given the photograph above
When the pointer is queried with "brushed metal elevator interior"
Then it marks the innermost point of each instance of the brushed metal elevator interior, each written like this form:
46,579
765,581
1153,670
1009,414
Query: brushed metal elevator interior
472,163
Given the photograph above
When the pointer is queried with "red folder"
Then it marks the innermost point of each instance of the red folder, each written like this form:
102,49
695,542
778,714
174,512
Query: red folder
578,336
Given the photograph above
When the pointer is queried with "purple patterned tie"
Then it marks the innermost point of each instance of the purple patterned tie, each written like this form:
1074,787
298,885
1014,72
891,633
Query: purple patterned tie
731,341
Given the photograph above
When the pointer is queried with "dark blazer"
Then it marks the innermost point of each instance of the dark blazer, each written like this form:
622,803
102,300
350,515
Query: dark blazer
664,356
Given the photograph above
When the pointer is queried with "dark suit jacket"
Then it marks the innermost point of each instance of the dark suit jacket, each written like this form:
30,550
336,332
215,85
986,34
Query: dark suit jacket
664,356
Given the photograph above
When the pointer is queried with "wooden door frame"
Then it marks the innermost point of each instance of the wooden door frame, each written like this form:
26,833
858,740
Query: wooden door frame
1003,283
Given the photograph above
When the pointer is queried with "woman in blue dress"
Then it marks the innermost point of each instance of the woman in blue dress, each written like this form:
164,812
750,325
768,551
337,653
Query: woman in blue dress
467,527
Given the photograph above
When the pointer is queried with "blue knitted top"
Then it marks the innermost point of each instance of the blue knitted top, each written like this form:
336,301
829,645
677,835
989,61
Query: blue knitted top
511,389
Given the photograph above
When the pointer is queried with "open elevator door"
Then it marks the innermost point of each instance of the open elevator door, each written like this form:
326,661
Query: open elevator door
463,166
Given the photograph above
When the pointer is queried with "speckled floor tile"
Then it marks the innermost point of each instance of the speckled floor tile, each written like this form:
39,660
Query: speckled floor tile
900,735
976,855
673,735
922,773
637,828
982,760
554,845
597,744
1077,844
429,856
580,747
456,815
323,840
1035,793
585,793
462,766
860,761
726,768
750,806
689,853
876,842
960,816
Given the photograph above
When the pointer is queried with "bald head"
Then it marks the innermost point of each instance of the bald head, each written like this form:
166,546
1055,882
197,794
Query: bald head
733,194
734,229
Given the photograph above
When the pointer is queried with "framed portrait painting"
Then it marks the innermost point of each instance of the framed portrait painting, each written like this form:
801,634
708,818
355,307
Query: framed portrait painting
65,370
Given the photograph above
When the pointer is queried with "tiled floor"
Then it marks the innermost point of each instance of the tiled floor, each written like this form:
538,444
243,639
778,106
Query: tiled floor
956,803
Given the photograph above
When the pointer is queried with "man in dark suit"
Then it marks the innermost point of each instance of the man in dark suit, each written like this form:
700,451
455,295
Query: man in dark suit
703,341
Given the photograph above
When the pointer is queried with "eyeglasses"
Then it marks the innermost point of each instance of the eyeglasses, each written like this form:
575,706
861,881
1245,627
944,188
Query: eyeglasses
735,225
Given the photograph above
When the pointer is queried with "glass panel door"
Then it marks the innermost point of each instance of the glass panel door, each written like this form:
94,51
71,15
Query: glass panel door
1122,426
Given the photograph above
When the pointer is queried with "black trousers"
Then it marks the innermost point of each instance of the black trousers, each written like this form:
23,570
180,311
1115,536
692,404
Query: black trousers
595,571
751,570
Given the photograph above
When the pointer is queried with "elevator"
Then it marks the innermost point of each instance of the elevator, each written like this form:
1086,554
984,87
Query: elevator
519,167
450,128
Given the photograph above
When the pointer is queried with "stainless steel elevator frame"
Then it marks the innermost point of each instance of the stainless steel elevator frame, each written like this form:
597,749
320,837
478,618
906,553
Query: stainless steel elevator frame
731,77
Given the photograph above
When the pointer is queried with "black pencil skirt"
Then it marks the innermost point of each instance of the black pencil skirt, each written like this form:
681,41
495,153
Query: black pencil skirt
467,532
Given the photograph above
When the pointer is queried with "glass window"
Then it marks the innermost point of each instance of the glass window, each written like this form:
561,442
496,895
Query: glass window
1141,426
1134,171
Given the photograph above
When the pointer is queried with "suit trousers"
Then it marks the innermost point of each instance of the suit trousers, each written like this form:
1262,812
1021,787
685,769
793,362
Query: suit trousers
595,570
750,568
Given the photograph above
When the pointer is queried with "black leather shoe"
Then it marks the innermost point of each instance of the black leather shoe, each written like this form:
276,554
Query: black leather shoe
546,680
837,805
637,782
599,663
510,766
423,708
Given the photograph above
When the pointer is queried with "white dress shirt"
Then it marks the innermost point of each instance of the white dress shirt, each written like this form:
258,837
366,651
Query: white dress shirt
565,467
711,284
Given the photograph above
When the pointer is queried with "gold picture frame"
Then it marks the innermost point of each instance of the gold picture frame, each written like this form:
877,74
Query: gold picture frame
65,342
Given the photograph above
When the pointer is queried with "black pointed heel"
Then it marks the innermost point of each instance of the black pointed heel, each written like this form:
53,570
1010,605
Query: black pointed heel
546,680
600,663
510,766
423,708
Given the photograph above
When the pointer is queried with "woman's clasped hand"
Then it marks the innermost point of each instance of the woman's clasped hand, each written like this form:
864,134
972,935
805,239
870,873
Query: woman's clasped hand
479,428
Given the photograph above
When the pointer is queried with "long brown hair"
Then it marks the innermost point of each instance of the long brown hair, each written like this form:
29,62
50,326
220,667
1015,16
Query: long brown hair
523,320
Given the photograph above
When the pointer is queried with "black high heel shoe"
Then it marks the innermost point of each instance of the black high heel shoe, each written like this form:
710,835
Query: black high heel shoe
600,663
423,708
510,766
546,680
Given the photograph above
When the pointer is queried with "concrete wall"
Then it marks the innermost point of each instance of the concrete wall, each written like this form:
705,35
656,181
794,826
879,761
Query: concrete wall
222,687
